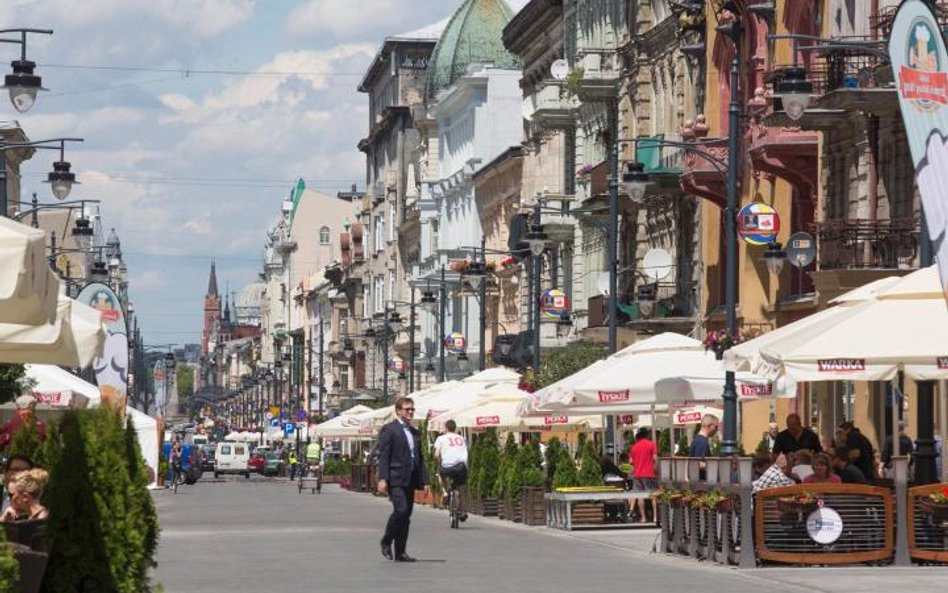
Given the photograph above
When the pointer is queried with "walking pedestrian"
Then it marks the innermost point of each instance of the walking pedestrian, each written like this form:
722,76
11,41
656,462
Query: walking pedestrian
401,471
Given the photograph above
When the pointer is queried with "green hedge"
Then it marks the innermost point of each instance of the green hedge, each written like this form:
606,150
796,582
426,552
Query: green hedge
103,526
9,569
336,466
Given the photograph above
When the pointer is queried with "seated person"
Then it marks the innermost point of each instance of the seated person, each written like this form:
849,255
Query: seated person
822,471
801,462
774,476
15,464
848,472
25,492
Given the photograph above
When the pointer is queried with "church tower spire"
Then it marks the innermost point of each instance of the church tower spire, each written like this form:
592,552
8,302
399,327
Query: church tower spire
212,281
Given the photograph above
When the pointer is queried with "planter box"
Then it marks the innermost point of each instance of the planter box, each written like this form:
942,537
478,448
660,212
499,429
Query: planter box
333,479
513,510
534,506
422,498
488,507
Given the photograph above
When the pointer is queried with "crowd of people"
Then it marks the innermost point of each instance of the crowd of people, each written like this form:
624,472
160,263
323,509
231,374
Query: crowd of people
797,455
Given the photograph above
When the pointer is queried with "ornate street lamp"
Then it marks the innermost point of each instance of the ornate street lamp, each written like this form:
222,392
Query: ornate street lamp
794,91
775,257
22,83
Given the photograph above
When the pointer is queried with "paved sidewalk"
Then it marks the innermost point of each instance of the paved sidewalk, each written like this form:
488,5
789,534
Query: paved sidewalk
261,535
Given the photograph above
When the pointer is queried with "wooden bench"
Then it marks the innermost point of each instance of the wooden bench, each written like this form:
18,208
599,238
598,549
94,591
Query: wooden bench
560,506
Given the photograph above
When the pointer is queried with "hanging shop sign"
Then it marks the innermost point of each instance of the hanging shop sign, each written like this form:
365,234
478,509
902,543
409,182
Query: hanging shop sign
455,343
554,303
758,224
920,64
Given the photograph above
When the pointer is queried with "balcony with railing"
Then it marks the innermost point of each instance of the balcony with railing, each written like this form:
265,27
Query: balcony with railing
843,78
882,21
601,72
867,244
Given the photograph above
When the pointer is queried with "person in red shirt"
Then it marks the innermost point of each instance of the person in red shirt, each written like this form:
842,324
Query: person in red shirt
25,414
643,455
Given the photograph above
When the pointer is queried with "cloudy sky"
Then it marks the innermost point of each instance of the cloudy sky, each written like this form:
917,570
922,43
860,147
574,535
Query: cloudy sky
198,115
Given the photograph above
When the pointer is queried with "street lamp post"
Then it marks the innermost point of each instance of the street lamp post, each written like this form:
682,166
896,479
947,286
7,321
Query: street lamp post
441,328
61,179
23,84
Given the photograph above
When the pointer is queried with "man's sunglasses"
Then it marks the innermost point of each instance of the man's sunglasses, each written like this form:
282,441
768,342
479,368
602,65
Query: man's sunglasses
407,409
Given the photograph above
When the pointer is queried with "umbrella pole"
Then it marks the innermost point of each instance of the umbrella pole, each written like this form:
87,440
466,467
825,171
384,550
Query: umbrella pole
943,422
896,413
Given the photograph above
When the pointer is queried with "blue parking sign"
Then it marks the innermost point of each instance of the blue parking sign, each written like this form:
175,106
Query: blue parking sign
289,428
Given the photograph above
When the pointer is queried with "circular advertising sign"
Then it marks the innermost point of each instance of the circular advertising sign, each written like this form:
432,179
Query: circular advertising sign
554,303
824,526
455,343
758,224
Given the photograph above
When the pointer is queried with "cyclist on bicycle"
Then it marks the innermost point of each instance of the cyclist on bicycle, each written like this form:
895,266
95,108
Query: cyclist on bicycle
176,461
450,449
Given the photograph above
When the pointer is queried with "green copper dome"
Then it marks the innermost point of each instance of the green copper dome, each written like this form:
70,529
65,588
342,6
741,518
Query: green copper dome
473,36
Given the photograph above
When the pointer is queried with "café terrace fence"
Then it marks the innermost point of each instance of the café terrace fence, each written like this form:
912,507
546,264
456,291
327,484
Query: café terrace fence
710,513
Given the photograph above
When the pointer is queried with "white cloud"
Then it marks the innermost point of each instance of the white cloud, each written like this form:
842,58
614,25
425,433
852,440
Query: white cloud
342,18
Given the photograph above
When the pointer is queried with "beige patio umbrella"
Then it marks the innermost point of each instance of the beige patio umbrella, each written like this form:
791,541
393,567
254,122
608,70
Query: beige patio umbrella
74,339
28,288
503,414
903,328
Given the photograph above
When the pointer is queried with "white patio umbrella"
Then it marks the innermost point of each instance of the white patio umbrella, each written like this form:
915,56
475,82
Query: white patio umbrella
346,425
626,383
903,328
503,414
74,339
494,375
28,288
708,388
559,391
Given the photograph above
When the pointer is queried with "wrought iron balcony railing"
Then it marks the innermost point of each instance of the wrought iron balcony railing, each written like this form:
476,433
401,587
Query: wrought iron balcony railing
856,244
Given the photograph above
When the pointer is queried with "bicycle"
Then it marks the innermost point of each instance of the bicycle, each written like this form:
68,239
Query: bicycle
177,477
455,513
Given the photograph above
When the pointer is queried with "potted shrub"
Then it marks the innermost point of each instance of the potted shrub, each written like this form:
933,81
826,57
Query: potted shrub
935,504
805,502
590,473
9,569
534,505
488,456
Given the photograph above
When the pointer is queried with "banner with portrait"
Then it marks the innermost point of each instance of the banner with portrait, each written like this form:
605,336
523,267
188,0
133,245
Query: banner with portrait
920,66
111,370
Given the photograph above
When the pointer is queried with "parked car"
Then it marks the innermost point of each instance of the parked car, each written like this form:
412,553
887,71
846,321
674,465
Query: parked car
207,463
232,458
258,459
273,465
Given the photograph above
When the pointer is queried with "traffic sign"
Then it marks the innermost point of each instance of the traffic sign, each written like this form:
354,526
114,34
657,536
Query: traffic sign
274,422
289,428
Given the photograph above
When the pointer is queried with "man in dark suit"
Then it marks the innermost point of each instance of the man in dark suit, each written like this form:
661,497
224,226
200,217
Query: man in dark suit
401,472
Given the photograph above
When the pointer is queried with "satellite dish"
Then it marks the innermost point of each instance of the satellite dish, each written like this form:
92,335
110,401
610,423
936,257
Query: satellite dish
602,283
801,249
657,264
559,69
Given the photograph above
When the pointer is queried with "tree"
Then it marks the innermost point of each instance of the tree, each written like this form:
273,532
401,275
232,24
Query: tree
563,362
102,526
11,377
507,459
531,465
489,459
185,382
26,441
554,449
565,475
590,472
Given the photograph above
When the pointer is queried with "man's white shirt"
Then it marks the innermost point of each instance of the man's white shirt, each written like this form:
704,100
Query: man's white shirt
452,449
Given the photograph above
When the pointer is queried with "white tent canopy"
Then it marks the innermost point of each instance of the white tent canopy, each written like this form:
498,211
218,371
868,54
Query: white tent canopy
146,429
74,339
28,288
49,379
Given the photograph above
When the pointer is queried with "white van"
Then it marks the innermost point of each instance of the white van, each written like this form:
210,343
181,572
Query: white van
232,458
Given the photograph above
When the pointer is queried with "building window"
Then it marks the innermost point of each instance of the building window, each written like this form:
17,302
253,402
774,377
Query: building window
392,222
324,236
366,296
379,294
379,235
344,378
391,285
